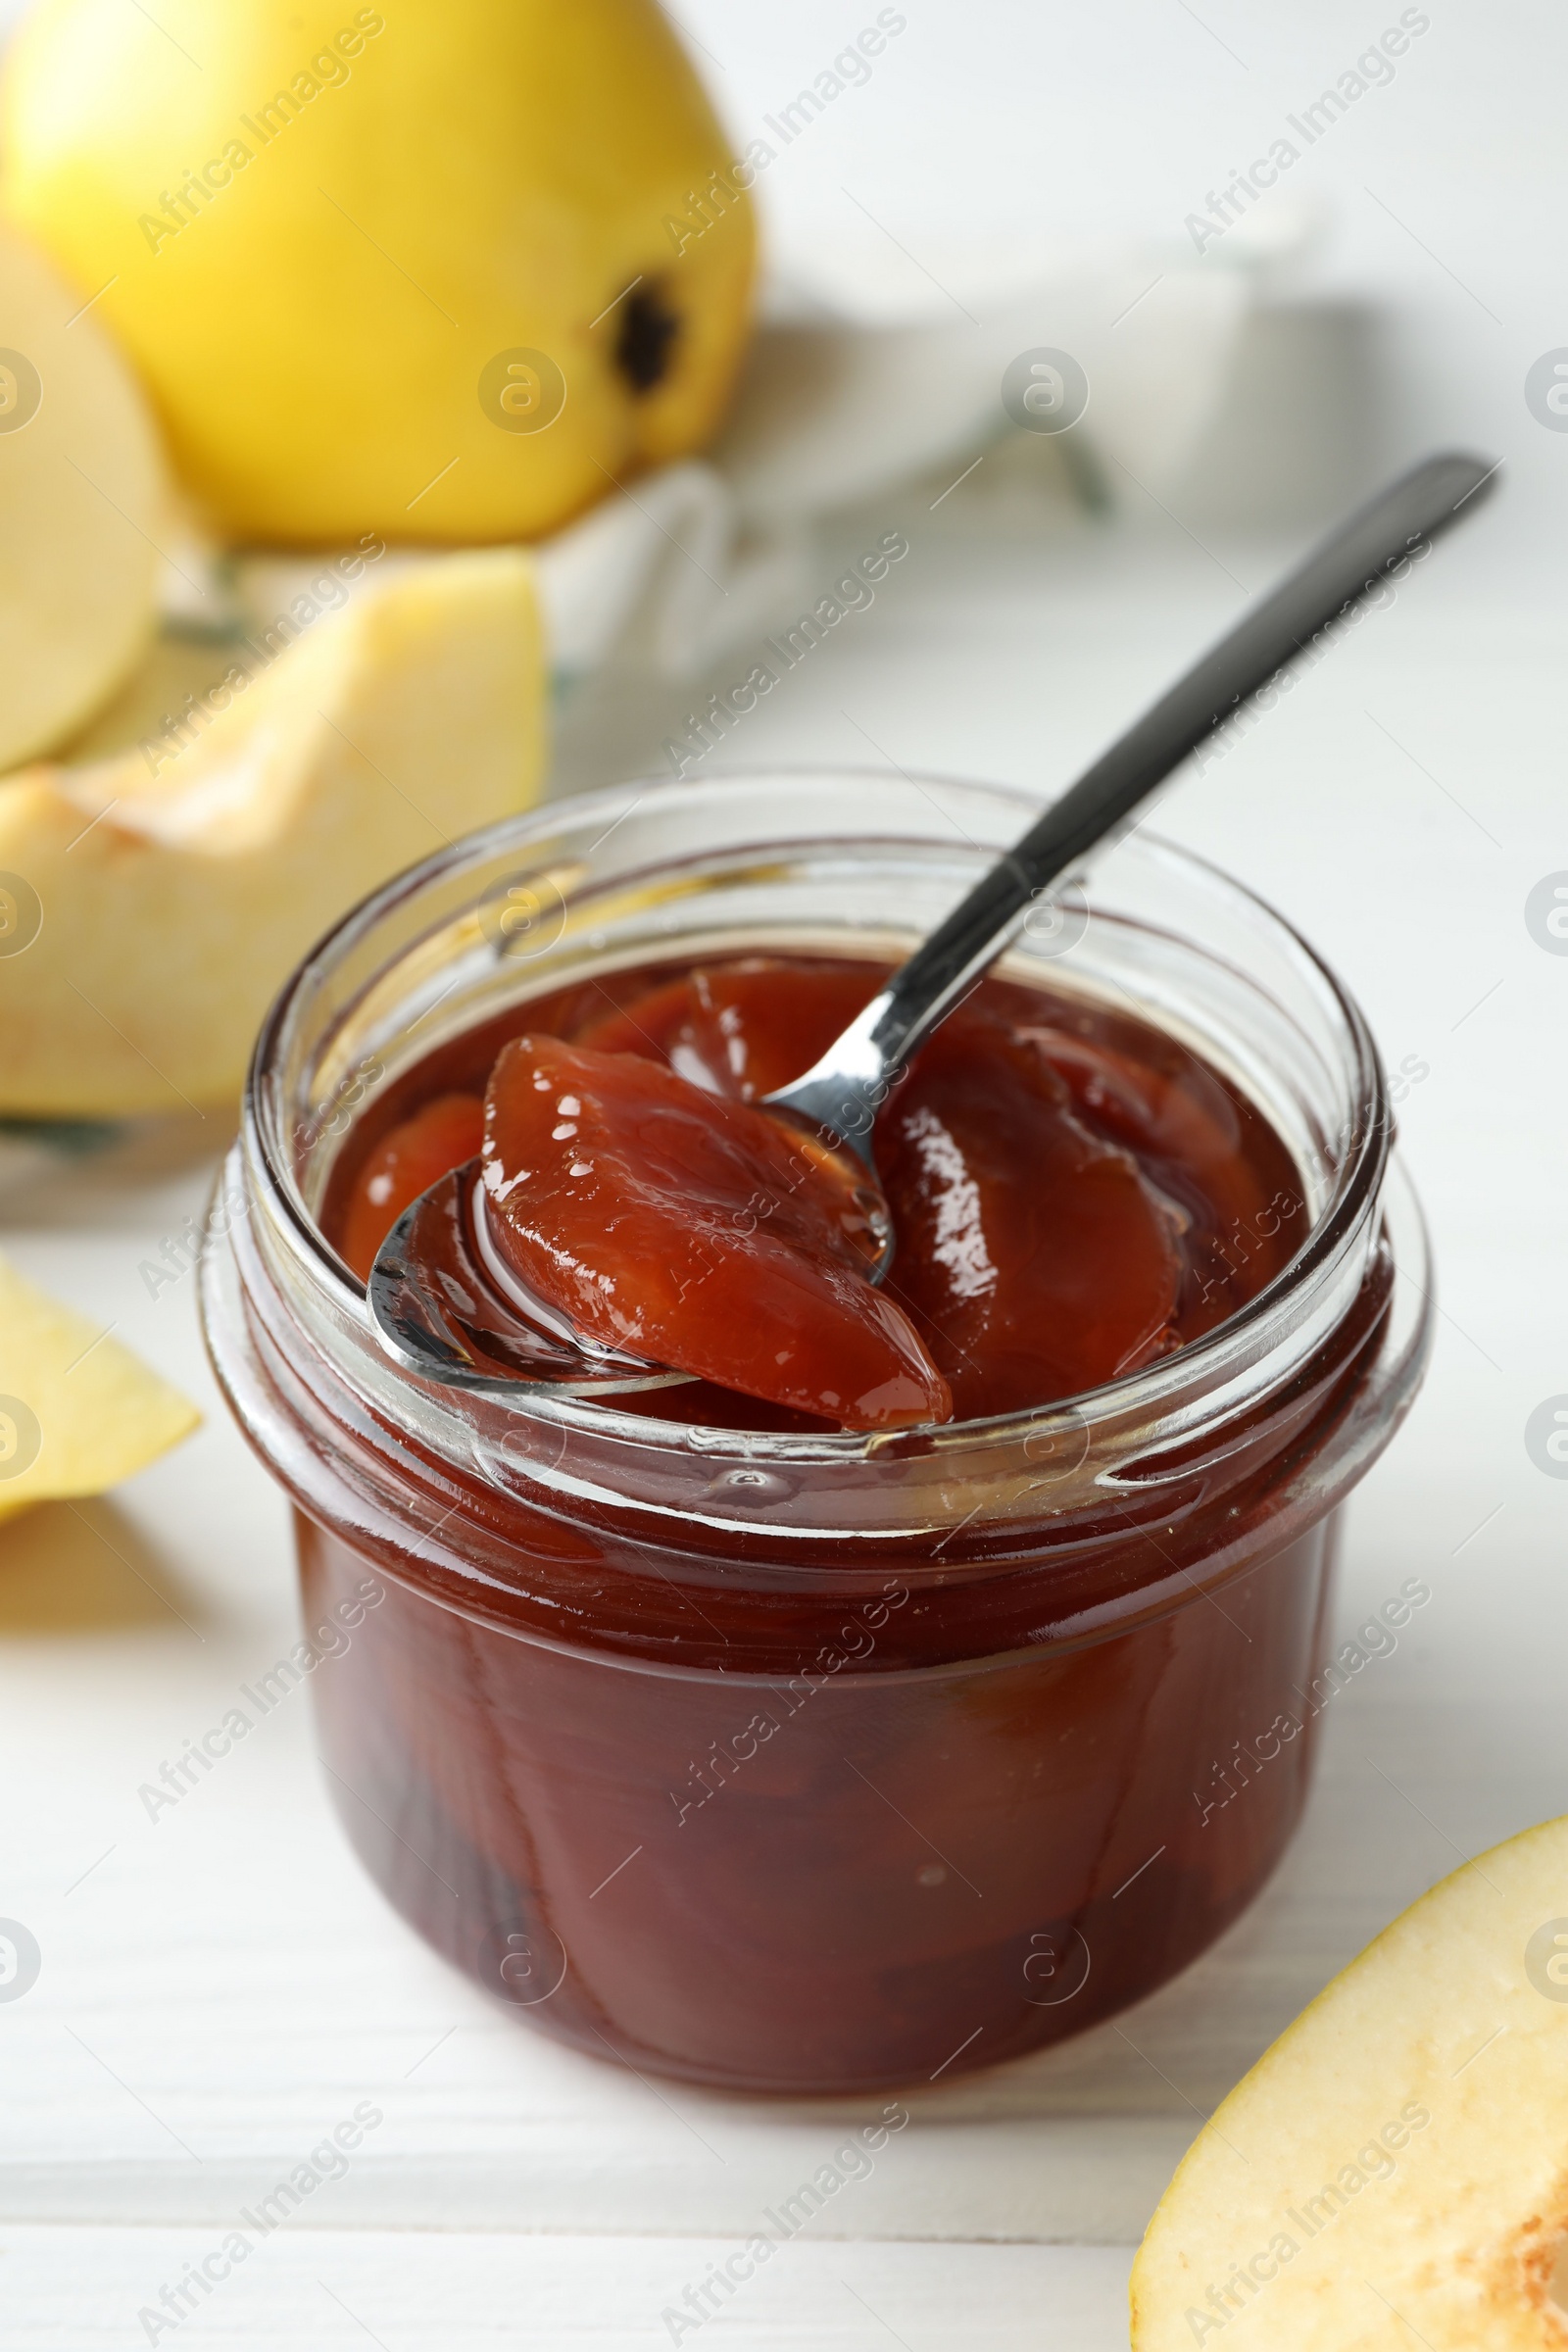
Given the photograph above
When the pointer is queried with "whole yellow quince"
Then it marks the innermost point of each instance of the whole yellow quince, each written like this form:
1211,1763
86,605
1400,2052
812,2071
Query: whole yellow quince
437,268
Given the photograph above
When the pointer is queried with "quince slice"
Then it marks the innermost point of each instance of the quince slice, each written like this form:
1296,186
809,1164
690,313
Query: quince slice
82,497
152,904
78,1413
1394,2172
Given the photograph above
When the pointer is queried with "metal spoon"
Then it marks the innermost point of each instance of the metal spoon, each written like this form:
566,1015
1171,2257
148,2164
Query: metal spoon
446,1308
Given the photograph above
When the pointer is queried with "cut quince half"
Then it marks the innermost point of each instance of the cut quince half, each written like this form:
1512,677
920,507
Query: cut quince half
83,491
78,1413
1394,2172
152,904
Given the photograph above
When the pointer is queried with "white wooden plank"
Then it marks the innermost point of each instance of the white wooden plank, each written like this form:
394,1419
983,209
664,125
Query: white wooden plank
430,2292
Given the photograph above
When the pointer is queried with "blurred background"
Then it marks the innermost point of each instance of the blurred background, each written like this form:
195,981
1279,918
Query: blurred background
1428,221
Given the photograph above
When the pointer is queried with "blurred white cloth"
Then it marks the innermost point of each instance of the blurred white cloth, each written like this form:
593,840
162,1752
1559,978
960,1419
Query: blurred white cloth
699,556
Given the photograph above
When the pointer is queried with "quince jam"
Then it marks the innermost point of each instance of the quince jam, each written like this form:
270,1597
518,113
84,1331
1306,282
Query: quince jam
740,1749
1074,1193
705,1731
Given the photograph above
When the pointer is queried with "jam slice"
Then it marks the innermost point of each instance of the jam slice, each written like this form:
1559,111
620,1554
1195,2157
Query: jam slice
441,1135
1035,1258
744,1028
691,1229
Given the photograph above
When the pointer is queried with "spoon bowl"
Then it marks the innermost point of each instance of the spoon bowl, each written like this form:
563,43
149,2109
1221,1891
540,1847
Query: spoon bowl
447,1308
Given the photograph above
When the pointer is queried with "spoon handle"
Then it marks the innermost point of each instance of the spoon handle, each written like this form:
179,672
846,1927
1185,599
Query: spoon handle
854,1076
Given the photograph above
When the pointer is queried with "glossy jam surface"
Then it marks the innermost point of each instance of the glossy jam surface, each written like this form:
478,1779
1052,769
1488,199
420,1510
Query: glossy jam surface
441,1134
1074,1193
693,1230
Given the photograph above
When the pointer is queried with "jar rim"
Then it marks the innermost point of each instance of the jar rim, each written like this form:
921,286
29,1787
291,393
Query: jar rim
1155,1395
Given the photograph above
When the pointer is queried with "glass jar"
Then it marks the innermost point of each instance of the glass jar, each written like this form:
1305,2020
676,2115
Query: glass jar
809,1763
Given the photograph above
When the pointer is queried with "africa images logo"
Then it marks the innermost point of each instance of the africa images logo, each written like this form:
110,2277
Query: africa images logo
1546,1959
19,1960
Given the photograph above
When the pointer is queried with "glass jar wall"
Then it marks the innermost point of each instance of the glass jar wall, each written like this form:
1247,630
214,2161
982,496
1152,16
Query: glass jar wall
807,1762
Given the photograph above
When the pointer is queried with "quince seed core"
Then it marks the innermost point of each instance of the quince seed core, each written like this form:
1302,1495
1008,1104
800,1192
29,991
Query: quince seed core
648,329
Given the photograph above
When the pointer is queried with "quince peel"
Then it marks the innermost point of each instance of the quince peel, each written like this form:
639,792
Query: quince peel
78,1413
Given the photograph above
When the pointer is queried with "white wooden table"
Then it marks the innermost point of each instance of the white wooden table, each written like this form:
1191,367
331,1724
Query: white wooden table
222,1986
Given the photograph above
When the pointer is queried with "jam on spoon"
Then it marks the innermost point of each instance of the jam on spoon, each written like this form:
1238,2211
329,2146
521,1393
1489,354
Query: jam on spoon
688,1228
1033,1255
